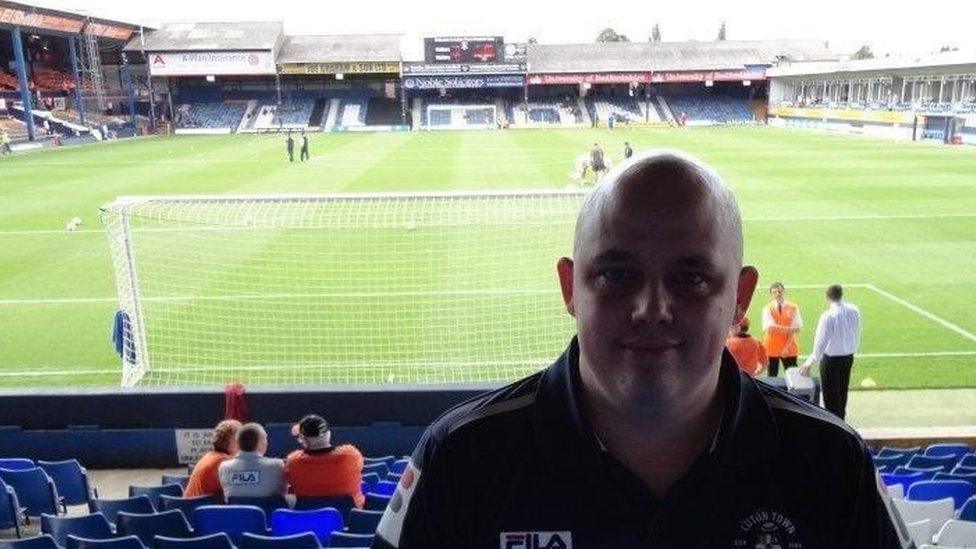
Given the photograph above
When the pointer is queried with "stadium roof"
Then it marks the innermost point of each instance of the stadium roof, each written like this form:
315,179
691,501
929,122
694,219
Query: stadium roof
670,56
42,19
339,48
258,35
919,63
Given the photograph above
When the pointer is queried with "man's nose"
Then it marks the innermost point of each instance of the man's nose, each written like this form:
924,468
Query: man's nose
652,305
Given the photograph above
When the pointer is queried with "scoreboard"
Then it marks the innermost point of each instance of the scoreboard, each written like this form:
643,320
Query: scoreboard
464,49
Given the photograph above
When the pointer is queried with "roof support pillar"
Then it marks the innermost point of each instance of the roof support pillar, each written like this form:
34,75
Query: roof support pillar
79,100
25,93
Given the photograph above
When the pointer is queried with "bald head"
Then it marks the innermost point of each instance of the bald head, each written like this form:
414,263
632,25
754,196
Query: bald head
658,183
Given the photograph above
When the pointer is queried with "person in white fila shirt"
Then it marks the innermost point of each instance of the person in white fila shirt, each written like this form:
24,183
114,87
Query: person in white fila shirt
834,346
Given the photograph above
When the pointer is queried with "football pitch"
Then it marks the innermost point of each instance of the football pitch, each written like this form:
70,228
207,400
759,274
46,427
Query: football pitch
894,222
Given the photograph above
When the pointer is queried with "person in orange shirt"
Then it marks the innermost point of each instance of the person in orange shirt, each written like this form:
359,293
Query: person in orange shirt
320,469
205,480
749,353
781,323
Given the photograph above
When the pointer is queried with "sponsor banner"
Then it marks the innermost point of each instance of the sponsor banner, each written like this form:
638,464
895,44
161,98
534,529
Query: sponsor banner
591,78
357,67
109,31
472,81
714,76
191,444
42,21
211,63
881,117
428,69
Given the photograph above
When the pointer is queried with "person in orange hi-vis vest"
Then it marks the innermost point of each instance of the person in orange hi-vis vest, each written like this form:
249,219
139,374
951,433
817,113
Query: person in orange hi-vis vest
748,352
781,322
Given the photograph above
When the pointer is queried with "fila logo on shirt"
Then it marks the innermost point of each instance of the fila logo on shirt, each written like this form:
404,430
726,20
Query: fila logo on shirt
536,540
245,478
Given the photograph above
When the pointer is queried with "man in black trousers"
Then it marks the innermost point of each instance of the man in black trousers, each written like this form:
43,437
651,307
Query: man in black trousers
304,152
837,339
290,145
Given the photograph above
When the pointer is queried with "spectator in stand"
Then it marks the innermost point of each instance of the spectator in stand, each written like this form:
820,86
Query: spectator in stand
781,322
250,474
748,352
205,480
320,469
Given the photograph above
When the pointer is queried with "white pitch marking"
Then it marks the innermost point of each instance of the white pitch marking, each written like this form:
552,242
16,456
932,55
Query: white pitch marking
915,308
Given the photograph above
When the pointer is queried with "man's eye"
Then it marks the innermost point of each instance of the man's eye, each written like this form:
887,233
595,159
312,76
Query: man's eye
617,274
694,280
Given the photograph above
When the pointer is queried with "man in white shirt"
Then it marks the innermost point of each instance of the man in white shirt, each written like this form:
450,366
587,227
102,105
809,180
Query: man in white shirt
837,339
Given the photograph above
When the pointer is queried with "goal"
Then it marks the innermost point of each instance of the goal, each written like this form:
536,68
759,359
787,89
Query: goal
342,289
461,116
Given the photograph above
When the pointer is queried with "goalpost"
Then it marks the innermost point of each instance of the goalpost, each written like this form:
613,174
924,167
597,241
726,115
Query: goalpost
461,116
340,289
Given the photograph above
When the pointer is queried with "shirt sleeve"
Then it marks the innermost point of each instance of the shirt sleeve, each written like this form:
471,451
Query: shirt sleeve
767,319
874,522
419,515
825,329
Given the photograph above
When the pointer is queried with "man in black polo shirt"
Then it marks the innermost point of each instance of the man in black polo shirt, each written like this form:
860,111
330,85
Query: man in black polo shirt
644,433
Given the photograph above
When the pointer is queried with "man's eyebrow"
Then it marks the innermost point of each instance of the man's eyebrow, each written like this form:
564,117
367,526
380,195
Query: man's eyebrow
697,261
613,255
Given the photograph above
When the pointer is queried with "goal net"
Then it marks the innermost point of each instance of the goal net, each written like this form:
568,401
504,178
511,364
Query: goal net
461,116
371,289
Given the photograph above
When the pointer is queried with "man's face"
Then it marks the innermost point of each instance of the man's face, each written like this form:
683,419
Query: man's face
777,293
655,287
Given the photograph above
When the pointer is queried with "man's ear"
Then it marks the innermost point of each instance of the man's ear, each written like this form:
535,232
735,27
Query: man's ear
748,278
565,270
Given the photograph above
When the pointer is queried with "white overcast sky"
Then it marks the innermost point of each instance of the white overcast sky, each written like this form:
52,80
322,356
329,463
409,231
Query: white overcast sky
888,27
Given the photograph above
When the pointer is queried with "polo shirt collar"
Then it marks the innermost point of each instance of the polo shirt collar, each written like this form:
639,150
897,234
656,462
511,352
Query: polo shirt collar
748,432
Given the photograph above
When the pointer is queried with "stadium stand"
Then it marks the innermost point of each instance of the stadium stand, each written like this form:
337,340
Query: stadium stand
711,108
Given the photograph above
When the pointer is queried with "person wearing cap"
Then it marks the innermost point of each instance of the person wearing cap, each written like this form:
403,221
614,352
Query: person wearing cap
319,469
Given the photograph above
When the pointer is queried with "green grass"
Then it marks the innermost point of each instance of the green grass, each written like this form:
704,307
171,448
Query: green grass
904,227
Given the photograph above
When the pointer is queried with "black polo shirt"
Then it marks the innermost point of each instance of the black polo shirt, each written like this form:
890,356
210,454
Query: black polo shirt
519,468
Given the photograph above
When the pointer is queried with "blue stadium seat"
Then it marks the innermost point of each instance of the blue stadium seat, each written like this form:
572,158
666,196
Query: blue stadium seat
368,481
891,461
968,511
268,504
380,469
386,460
124,542
233,520
888,451
306,540
213,541
71,481
945,463
956,450
86,526
960,470
399,466
376,502
111,507
171,524
17,464
153,492
905,480
384,488
931,490
342,503
182,480
968,461
344,539
363,522
187,505
953,476
35,490
10,512
926,474
321,522
393,477
39,542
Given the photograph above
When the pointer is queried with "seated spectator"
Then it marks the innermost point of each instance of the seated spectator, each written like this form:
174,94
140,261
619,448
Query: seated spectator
250,474
320,469
204,480
748,352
